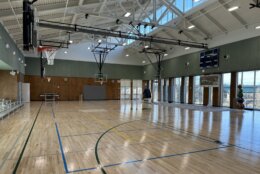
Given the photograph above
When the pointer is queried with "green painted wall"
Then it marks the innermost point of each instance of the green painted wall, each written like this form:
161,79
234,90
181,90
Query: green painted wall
6,54
83,69
244,55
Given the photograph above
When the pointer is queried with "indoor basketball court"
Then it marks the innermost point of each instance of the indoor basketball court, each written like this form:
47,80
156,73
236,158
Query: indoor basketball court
130,86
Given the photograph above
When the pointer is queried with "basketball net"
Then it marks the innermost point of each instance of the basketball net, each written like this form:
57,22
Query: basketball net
50,53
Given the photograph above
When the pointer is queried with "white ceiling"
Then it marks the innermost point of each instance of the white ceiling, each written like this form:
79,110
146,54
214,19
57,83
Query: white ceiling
215,25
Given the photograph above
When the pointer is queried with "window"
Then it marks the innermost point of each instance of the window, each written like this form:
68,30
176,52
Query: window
125,89
226,80
137,90
155,90
177,90
186,90
197,91
257,90
165,88
250,88
163,15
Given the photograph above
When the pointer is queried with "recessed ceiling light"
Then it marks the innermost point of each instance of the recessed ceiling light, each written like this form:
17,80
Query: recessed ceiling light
165,54
7,46
127,55
191,27
65,52
124,44
127,14
14,53
88,48
233,8
146,46
257,27
70,41
187,48
99,41
143,61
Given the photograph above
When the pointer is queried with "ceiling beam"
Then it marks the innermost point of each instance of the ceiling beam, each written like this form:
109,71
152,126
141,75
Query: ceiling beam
214,21
234,13
179,13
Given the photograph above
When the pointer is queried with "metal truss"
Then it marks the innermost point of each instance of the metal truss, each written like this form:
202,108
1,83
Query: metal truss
118,34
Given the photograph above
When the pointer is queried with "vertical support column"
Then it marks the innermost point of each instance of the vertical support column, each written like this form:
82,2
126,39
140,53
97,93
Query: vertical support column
206,96
170,91
164,90
131,91
190,91
159,90
233,89
152,90
182,90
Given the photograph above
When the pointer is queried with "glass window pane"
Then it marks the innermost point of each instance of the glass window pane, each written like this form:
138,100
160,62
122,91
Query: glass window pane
186,90
177,89
226,90
257,90
197,91
248,88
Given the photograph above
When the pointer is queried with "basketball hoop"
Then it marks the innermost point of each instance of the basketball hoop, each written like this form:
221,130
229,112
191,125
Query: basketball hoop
100,78
49,52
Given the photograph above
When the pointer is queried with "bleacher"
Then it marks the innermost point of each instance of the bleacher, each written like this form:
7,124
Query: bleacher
8,106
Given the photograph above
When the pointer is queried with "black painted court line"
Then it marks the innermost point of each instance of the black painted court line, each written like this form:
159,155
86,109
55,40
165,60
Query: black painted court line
26,142
203,137
148,159
97,143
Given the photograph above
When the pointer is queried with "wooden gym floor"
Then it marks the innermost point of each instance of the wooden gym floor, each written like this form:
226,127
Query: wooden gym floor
119,137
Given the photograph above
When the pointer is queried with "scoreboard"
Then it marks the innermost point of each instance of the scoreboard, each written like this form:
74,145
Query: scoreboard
209,58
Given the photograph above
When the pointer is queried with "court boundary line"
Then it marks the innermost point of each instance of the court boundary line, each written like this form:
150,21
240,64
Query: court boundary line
26,142
203,137
164,125
150,159
60,142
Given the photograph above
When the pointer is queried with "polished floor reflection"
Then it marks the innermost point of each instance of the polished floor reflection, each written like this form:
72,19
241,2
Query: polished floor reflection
123,137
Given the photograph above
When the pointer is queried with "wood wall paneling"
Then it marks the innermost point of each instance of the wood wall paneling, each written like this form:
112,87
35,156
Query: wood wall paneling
8,85
206,96
216,97
69,88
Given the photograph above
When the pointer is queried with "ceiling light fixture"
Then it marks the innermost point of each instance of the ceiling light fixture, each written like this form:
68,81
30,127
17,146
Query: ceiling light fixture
257,27
196,0
187,48
124,44
127,55
143,61
88,48
14,53
191,27
127,14
70,41
66,52
233,8
146,46
99,41
165,54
